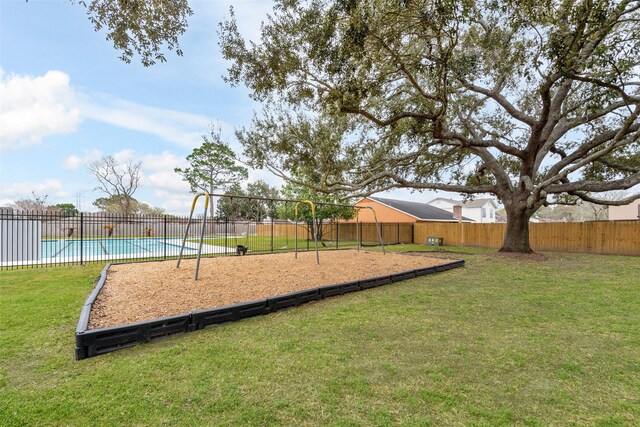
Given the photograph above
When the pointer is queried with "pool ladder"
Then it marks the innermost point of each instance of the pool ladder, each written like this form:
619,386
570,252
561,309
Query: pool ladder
186,233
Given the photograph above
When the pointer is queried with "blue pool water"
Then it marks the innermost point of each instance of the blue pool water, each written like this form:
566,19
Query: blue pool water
97,248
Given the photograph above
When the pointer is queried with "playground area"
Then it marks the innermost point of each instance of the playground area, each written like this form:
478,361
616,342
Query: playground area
145,291
142,301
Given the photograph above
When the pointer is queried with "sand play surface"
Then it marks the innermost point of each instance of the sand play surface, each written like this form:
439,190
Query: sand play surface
144,291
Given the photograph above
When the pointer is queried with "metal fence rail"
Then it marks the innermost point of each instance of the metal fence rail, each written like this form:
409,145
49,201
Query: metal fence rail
41,239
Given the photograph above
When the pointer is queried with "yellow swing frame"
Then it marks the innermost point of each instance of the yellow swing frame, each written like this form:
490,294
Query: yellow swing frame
313,226
186,233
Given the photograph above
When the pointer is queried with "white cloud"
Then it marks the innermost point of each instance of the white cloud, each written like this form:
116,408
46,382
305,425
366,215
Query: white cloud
166,180
180,128
163,161
125,155
161,175
32,108
20,190
266,176
74,162
178,203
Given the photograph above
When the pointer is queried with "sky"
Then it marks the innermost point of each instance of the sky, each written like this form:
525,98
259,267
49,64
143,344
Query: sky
66,99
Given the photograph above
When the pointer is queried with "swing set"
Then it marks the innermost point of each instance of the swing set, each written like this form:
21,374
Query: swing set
314,232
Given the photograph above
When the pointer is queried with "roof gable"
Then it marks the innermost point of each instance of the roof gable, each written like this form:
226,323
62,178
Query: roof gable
477,203
444,199
469,204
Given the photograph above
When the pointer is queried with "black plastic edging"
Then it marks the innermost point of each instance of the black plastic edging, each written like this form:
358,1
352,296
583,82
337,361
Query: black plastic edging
405,275
229,313
85,312
374,281
95,342
293,299
339,289
100,341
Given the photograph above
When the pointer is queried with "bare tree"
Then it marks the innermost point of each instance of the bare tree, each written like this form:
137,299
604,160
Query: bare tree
118,180
37,203
601,212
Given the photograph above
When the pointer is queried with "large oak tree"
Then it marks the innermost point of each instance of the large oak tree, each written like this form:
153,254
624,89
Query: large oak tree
532,101
143,27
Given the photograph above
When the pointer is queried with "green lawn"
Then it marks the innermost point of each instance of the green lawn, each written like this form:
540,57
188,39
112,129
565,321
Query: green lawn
265,244
500,342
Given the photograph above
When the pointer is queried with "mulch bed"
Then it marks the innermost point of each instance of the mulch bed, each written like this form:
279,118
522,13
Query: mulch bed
143,291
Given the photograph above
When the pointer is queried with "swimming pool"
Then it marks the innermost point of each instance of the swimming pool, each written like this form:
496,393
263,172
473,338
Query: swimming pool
68,249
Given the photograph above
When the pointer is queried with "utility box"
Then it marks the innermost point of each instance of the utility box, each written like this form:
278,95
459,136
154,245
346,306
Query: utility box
435,241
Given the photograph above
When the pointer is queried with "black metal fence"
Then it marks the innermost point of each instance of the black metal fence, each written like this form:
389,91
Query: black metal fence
39,239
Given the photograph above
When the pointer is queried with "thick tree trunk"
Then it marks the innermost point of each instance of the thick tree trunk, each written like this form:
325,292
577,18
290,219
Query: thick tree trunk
516,238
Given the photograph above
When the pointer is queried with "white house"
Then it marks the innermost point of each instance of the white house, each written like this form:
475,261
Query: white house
479,210
630,211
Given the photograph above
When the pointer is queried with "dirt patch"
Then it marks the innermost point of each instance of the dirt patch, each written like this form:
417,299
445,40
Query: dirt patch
144,291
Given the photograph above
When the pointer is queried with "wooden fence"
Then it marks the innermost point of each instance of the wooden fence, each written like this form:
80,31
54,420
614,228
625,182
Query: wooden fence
601,237
346,232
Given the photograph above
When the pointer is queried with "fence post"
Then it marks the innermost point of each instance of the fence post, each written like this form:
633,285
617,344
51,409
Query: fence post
413,232
337,233
271,234
81,236
165,237
226,230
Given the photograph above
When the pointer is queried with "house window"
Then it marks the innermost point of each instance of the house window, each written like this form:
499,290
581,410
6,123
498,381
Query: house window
484,212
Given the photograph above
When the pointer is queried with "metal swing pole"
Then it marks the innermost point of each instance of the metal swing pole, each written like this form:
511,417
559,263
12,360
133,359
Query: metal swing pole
375,217
186,233
357,231
235,231
313,219
286,209
204,224
378,228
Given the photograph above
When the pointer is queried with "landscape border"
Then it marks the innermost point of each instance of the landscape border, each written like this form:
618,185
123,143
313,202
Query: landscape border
95,342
